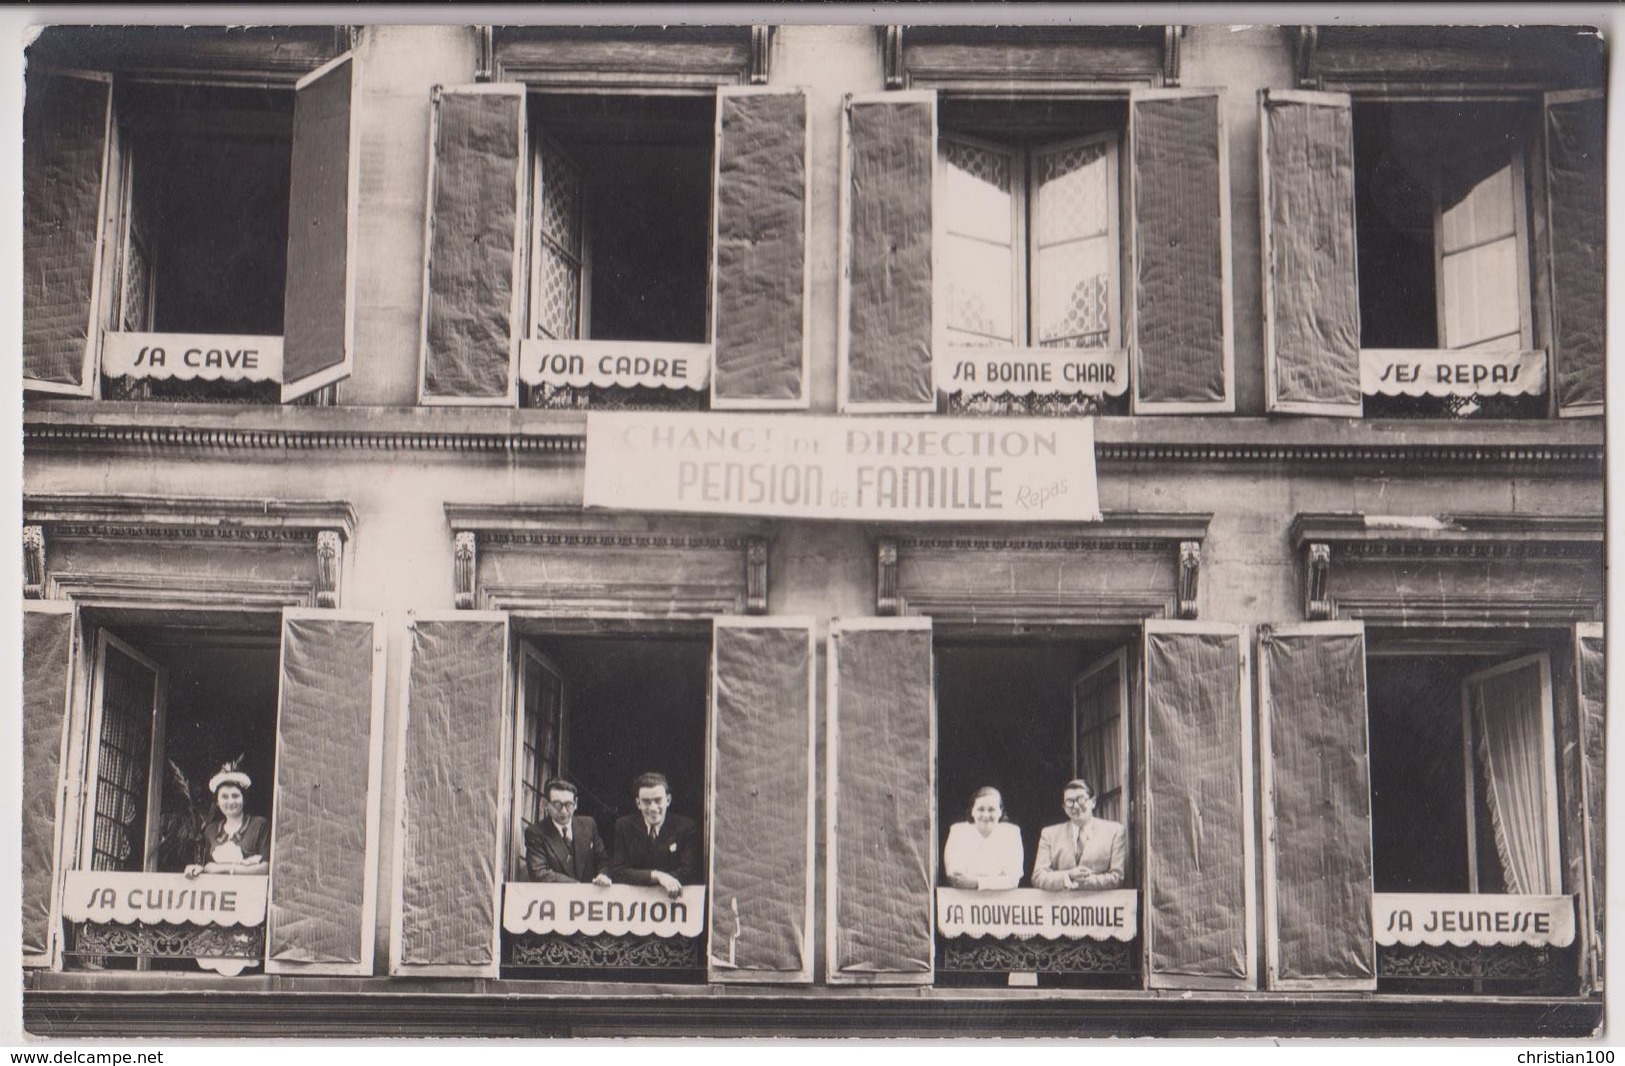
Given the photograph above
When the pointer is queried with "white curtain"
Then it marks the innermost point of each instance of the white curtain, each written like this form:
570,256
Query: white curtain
1509,717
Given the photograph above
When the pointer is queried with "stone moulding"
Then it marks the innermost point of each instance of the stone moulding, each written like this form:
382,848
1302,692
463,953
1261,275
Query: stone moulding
1408,448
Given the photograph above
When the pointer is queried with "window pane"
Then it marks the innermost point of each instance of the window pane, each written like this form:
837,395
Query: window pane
1076,294
119,830
1484,214
1074,192
559,270
1481,295
978,257
978,285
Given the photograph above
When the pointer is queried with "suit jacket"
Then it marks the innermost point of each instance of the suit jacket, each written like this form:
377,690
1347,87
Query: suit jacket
676,850
549,858
1104,855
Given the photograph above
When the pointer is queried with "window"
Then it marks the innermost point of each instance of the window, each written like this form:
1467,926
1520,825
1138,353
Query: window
1049,255
189,239
1030,248
1463,774
1442,227
634,250
1432,257
621,235
598,712
200,236
157,734
1026,718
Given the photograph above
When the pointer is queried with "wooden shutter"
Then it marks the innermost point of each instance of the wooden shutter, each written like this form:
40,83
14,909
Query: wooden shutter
759,250
1576,158
1317,807
318,317
1591,686
474,245
1200,923
888,162
1311,285
48,651
67,126
762,799
880,804
451,789
324,884
1180,191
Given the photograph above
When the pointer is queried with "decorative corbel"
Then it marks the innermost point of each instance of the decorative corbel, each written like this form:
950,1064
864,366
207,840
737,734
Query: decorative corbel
462,566
1317,565
485,71
1190,572
756,575
1308,41
761,53
886,599
1171,36
33,562
329,565
892,54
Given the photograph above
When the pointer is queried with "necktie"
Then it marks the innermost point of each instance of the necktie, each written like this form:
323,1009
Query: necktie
654,833
1079,844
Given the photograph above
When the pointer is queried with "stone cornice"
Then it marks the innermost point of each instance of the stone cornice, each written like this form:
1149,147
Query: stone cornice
1572,447
188,517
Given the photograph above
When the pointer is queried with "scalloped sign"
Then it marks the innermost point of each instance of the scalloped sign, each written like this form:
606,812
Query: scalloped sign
1031,912
125,898
1464,919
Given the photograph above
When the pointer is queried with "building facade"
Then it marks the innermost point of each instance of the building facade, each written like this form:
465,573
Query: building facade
1222,409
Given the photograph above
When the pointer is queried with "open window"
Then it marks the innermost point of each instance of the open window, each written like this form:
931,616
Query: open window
1442,225
634,249
1465,820
1027,717
1022,254
1433,258
214,224
1030,235
597,712
295,701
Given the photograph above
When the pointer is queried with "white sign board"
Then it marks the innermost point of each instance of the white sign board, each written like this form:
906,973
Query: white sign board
590,910
926,469
625,364
112,896
1028,912
1025,371
192,356
1463,919
1470,372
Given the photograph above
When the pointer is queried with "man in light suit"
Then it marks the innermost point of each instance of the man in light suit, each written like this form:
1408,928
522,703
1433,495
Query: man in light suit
564,847
655,847
1084,852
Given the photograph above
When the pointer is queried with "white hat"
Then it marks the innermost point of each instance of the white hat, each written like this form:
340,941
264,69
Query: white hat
229,775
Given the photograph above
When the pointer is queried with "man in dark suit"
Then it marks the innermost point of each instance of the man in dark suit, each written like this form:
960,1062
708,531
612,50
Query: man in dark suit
655,847
564,847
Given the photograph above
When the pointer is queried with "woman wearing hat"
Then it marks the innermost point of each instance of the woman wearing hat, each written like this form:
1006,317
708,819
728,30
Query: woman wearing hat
233,842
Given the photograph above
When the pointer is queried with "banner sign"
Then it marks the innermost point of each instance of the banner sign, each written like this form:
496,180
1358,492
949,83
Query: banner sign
626,364
1469,372
1024,371
1030,912
1463,919
124,898
926,469
192,356
591,910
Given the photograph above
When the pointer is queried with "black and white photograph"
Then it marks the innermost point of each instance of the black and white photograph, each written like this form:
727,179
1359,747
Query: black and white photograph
907,522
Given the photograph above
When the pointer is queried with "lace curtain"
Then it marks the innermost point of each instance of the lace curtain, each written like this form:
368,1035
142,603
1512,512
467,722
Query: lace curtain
1509,715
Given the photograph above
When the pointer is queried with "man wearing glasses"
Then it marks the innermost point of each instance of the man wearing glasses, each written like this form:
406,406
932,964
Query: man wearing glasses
654,846
564,847
1084,852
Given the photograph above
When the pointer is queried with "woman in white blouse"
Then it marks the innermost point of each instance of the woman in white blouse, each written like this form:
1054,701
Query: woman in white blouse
984,852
